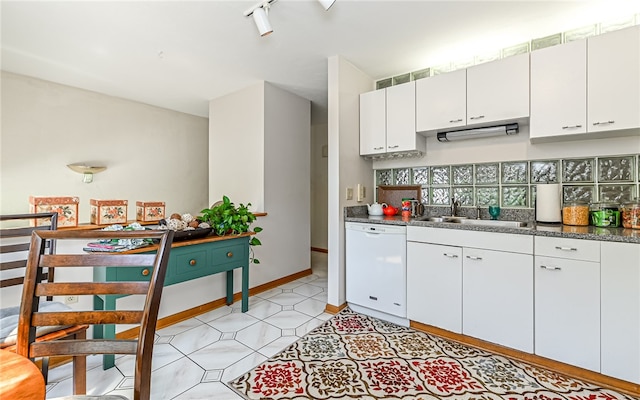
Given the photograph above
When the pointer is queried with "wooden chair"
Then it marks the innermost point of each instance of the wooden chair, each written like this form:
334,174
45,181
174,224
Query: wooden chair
32,317
14,246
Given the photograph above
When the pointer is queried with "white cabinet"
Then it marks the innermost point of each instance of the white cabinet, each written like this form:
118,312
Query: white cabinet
373,122
613,80
388,120
567,301
558,90
485,94
586,87
481,280
498,91
441,101
620,310
434,285
498,297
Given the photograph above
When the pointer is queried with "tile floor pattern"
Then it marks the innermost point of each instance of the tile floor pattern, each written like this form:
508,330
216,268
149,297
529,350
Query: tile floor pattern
193,359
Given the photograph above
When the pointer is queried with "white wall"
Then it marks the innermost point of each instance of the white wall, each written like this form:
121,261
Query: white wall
266,151
151,153
346,167
319,182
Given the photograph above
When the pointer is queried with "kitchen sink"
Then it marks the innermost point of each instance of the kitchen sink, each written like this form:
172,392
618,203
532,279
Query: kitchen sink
468,221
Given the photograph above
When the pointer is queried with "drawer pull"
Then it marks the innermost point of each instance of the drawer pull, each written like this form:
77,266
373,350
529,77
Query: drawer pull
571,126
145,272
373,298
603,123
394,146
229,254
477,117
450,255
378,148
474,258
453,121
566,248
554,268
192,262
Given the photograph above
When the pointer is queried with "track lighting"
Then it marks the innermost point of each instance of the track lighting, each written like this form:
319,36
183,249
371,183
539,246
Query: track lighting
326,4
260,12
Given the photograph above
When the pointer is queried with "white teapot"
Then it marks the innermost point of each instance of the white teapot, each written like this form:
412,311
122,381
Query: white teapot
375,208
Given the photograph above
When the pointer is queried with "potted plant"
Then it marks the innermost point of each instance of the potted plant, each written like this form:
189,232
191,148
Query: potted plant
227,219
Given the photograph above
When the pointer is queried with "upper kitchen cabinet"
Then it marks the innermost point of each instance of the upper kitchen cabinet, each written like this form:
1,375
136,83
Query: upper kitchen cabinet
441,101
388,121
589,86
485,94
498,91
558,90
613,80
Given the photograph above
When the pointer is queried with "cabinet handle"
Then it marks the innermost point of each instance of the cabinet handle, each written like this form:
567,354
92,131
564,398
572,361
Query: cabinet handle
603,123
572,126
373,298
145,272
450,255
455,120
478,117
553,268
566,248
192,262
229,254
474,258
378,148
394,147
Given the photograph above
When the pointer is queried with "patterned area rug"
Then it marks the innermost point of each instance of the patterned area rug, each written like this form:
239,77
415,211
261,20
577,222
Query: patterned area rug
353,356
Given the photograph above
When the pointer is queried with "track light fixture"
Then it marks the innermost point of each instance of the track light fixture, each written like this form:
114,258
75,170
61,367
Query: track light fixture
326,4
260,12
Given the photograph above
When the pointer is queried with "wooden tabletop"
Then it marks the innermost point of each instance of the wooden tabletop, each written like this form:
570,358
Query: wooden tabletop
20,378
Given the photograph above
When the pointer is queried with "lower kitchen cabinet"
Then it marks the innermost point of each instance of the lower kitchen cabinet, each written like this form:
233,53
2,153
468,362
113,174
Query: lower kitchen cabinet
434,285
620,310
567,301
498,297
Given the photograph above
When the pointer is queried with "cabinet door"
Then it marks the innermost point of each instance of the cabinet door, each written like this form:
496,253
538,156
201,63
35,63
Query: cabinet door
441,101
497,297
559,90
434,285
567,311
613,80
498,90
401,117
620,318
373,122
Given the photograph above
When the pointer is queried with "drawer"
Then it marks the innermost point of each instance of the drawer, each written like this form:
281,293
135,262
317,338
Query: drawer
133,274
572,249
191,263
230,254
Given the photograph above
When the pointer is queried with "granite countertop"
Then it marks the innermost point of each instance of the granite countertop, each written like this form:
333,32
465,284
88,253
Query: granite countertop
359,214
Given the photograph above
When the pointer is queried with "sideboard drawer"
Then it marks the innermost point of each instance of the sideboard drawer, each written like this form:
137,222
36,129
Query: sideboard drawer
133,274
235,254
190,262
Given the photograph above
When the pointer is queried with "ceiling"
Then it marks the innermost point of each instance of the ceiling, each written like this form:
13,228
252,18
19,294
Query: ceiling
181,54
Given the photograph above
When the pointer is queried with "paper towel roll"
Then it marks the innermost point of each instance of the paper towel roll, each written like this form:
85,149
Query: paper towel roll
548,203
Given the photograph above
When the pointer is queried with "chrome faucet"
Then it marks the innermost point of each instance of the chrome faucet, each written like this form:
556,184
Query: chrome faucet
454,207
478,212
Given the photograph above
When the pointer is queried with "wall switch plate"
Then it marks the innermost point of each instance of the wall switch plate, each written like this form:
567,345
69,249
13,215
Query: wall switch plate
361,194
70,299
349,193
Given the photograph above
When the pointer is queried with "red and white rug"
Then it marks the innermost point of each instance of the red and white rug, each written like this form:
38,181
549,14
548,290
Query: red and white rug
353,356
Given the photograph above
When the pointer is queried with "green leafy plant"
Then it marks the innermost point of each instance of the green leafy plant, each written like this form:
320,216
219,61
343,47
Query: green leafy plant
228,219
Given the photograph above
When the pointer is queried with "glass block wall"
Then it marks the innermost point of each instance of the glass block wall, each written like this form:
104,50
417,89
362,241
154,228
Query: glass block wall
513,183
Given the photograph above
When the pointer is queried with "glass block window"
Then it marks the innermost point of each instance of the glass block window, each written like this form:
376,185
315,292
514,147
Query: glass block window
384,177
580,170
615,169
515,196
462,174
486,174
514,172
487,195
421,176
402,176
617,193
440,175
544,171
464,194
578,193
440,196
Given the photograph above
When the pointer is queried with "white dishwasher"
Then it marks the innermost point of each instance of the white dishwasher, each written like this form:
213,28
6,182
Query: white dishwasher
376,270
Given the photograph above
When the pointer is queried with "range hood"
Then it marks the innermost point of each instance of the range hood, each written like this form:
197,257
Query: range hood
499,130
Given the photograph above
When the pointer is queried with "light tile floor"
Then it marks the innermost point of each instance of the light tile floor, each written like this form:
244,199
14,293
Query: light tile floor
193,359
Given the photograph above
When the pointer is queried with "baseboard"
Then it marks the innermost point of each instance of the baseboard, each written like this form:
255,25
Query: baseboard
331,309
319,249
195,311
546,363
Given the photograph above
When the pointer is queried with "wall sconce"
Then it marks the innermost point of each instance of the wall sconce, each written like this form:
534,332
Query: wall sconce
260,12
87,171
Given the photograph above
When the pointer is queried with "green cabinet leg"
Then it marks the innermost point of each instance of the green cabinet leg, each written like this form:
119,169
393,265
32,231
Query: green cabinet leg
245,288
229,287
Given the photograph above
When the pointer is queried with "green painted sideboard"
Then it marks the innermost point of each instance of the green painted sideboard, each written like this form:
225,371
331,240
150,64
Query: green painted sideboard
188,260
